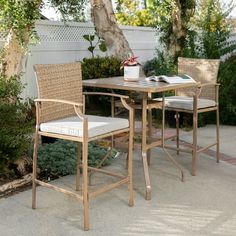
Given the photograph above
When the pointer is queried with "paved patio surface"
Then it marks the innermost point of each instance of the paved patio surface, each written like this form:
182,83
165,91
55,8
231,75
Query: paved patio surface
204,205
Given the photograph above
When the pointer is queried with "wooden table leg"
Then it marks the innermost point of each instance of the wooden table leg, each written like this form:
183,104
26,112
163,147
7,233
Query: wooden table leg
149,139
144,148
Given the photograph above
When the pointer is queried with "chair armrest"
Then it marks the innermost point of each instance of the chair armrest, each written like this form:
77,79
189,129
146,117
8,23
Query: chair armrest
76,105
209,84
122,98
38,100
106,94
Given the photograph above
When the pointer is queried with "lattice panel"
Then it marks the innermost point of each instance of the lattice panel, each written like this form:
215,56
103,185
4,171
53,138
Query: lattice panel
62,33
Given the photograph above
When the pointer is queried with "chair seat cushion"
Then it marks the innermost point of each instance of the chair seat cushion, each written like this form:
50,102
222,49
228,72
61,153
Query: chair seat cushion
73,126
186,103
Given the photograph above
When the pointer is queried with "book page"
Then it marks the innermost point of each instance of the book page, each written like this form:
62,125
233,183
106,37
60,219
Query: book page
177,79
153,78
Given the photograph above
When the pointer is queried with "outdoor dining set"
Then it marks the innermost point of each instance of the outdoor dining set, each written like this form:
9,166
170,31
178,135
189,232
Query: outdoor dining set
61,113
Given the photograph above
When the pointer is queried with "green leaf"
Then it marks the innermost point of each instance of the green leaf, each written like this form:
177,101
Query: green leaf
91,48
92,37
102,46
86,37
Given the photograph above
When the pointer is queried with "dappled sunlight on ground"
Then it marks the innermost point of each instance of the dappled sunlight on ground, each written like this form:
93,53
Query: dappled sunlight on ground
176,220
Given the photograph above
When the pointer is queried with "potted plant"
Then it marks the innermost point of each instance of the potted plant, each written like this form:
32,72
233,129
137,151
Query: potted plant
131,68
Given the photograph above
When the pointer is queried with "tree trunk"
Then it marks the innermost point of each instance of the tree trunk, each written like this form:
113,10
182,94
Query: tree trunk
15,49
9,187
178,36
107,28
180,16
14,54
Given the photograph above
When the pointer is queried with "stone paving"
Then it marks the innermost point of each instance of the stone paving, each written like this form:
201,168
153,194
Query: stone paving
204,205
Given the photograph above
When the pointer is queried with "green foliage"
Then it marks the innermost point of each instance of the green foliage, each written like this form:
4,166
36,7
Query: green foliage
174,23
161,65
71,10
211,30
100,43
165,23
19,16
227,80
101,67
128,12
15,124
60,158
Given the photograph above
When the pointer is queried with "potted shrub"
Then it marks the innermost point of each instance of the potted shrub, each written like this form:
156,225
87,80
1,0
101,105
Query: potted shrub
131,68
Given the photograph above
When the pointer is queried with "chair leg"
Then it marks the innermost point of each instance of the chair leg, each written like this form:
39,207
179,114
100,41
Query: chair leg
130,169
194,151
177,132
112,115
35,157
127,158
149,134
77,187
85,186
217,136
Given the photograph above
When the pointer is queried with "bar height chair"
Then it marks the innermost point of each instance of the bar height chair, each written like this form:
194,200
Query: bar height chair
60,114
196,100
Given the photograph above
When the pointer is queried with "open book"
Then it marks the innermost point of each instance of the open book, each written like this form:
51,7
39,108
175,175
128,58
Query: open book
176,79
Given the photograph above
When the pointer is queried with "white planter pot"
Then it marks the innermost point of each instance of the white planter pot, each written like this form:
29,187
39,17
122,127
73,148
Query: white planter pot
131,73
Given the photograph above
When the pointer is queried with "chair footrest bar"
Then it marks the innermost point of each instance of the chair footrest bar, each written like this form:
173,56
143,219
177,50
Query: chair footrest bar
207,147
154,144
58,189
106,172
108,187
189,150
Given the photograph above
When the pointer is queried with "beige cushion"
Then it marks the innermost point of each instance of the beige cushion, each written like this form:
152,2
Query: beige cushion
186,103
73,126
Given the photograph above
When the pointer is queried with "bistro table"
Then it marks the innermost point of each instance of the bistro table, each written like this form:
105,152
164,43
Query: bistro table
146,89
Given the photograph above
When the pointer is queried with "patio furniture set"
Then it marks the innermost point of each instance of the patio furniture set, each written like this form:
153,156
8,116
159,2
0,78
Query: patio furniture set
60,113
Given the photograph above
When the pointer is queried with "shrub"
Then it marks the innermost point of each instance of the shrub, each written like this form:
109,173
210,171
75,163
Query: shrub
227,96
161,65
60,158
101,67
15,123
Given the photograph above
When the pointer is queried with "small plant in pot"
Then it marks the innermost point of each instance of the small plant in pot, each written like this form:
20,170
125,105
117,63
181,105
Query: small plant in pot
131,68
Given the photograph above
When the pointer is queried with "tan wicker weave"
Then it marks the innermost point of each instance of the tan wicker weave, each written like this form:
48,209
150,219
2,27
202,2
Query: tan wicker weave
201,70
54,81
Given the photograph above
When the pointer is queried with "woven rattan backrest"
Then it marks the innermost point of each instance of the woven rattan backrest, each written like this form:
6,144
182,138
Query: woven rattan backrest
58,81
201,70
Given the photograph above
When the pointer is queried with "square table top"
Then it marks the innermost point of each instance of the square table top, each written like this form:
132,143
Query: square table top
142,85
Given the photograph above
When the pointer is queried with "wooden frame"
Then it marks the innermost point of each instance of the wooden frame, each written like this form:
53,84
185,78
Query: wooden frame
73,71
